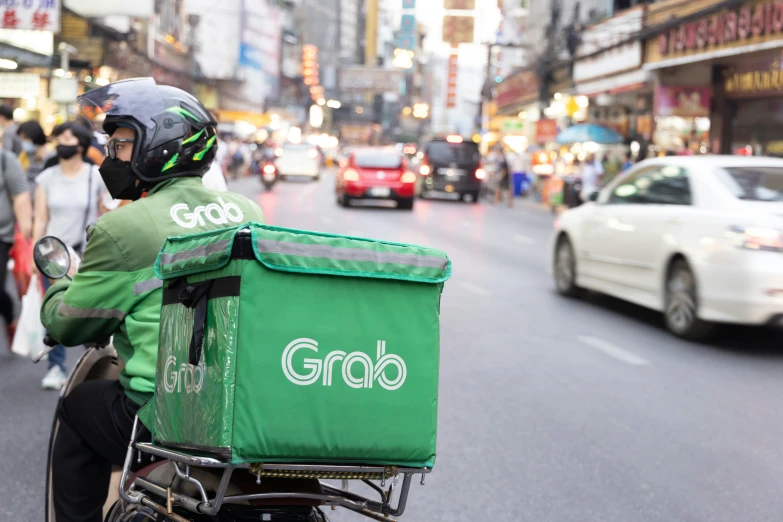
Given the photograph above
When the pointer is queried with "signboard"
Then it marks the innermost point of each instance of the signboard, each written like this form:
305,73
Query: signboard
468,5
39,15
41,42
451,82
728,31
409,4
19,85
755,78
512,126
686,102
408,23
518,89
458,29
94,9
405,41
546,131
624,58
369,79
63,90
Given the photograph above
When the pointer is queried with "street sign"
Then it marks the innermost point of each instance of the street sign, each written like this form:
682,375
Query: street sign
468,5
409,4
458,29
408,23
405,41
370,79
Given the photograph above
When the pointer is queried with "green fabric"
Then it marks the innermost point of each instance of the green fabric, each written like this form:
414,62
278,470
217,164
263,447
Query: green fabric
115,291
321,306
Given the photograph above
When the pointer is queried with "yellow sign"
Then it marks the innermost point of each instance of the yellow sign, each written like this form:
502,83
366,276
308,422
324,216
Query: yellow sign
254,118
749,23
571,106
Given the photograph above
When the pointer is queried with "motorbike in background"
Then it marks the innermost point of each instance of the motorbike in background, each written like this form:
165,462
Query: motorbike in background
164,485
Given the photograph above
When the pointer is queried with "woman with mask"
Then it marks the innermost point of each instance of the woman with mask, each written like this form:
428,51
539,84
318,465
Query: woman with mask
35,150
67,199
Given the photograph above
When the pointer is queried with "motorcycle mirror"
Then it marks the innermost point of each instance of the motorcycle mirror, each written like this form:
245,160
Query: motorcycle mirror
52,257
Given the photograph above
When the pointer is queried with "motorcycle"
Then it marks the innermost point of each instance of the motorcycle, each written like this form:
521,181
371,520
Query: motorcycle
268,175
161,484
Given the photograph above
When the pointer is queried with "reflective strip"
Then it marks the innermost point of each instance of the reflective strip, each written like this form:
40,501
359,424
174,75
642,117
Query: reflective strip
202,251
147,286
90,313
350,254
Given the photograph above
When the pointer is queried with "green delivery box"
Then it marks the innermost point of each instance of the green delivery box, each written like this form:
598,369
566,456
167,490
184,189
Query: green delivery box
280,345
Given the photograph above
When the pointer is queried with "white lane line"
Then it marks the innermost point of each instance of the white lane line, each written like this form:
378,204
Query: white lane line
470,287
614,351
525,240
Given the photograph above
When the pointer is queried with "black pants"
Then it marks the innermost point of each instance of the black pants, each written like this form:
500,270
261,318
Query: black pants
96,420
6,305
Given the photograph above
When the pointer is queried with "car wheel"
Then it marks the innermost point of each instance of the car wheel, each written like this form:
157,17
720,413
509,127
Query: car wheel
682,307
345,201
405,204
565,269
317,177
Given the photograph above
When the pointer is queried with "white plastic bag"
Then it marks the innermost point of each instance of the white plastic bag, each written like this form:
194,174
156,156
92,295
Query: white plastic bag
30,333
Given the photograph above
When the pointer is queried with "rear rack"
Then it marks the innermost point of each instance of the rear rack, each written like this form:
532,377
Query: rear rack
139,491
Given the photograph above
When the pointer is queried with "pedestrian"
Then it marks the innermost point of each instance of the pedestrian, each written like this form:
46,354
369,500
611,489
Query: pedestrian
592,170
35,150
504,183
11,141
67,199
15,209
627,162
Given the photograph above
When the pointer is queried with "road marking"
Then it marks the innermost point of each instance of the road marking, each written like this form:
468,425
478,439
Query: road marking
470,287
614,351
525,240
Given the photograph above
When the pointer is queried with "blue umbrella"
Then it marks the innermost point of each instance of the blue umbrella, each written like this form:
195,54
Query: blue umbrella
588,132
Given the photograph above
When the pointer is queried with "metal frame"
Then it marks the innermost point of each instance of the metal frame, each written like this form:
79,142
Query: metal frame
138,491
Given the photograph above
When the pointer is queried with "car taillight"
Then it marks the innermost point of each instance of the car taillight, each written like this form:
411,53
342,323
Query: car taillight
351,175
425,170
480,174
408,177
312,153
756,238
269,169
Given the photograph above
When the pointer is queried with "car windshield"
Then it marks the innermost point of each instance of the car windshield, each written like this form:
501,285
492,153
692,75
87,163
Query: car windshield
378,159
754,183
444,152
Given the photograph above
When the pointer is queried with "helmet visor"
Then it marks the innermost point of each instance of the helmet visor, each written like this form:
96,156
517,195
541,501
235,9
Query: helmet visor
137,99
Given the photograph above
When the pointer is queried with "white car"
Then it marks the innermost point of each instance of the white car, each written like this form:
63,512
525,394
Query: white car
298,159
699,238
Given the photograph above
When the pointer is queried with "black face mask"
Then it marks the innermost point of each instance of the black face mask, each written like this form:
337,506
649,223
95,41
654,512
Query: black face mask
67,151
120,180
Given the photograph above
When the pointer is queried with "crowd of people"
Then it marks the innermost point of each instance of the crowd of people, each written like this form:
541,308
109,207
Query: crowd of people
51,186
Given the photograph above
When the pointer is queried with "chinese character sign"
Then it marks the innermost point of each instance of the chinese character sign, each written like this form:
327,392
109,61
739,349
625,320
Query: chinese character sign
38,15
458,29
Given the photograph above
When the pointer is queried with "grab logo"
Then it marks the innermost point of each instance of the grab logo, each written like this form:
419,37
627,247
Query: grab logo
217,214
323,369
185,375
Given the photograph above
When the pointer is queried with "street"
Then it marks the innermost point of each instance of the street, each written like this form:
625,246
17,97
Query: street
550,409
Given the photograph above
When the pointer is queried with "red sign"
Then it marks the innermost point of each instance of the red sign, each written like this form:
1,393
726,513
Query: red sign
546,131
732,25
686,102
519,88
451,84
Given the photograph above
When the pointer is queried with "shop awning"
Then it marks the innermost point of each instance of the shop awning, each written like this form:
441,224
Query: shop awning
588,132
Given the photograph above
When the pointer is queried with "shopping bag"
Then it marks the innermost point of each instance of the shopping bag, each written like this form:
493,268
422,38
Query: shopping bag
30,333
22,255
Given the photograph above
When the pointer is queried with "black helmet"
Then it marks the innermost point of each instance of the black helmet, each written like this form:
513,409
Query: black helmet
175,134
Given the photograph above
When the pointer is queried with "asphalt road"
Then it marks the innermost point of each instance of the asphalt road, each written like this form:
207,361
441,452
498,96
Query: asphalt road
550,409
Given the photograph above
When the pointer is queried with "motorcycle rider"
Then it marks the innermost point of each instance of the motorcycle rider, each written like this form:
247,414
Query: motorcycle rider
162,140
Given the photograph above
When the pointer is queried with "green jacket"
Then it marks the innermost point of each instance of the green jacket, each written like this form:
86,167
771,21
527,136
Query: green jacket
116,292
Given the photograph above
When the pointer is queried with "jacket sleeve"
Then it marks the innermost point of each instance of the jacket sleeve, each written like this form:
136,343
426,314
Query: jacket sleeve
92,306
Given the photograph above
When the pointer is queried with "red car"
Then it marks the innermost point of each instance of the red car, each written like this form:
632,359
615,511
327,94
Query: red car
376,174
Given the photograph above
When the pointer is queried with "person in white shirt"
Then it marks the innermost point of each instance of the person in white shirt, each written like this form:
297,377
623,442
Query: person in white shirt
592,170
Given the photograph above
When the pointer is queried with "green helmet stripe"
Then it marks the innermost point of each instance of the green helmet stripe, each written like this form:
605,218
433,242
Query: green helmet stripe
200,155
170,163
194,137
182,112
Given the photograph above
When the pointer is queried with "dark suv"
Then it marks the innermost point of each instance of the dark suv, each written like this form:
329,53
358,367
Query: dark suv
452,165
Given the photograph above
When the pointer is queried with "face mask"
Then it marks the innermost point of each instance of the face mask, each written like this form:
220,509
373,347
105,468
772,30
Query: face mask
28,147
67,151
120,180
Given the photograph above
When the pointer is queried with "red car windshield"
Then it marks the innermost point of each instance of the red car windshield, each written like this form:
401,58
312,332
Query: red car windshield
378,160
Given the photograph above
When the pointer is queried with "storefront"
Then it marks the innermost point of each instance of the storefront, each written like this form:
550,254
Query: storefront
721,75
518,107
